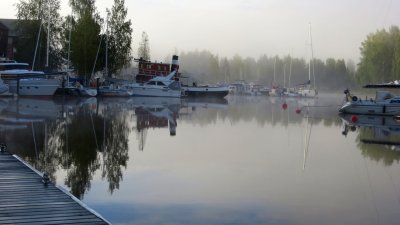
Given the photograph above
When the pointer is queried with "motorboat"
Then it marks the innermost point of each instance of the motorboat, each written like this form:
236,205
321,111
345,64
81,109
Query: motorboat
23,81
384,103
206,91
159,86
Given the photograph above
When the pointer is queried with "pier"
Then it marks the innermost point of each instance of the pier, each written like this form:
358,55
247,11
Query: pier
27,198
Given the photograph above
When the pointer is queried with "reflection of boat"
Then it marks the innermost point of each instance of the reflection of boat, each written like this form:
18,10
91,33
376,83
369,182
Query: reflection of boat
384,104
22,112
384,128
205,102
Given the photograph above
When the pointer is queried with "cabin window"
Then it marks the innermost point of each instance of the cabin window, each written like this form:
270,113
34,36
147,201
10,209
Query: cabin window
160,83
152,83
395,101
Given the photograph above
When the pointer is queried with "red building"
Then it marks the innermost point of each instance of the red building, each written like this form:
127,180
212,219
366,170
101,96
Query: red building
148,70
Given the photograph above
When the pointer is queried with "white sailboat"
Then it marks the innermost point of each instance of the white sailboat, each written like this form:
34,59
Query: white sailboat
307,90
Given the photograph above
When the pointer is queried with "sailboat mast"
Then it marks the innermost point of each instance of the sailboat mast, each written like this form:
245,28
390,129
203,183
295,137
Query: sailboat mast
274,70
69,46
311,55
290,70
284,75
107,46
48,37
312,58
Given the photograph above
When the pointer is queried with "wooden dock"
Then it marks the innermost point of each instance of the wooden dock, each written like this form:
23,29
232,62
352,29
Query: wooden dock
25,199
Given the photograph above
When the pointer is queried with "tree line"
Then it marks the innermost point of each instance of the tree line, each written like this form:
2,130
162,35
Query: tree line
269,70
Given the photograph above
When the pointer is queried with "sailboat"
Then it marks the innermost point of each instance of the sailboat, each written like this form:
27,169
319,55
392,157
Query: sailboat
73,87
307,90
275,91
111,90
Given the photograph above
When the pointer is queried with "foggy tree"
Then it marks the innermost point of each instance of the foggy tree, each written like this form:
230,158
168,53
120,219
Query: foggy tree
119,38
30,14
85,37
144,48
380,57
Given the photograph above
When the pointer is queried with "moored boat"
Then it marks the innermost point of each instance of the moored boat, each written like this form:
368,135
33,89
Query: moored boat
384,103
23,81
159,86
206,91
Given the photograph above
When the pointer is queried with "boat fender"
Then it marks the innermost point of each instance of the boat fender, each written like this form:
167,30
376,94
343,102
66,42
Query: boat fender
384,109
354,119
284,106
354,98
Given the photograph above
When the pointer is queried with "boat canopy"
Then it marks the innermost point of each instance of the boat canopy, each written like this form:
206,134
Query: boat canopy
383,95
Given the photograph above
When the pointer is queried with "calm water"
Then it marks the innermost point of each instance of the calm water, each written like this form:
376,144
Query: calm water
244,160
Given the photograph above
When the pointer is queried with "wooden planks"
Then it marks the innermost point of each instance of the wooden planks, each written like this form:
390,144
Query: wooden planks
24,199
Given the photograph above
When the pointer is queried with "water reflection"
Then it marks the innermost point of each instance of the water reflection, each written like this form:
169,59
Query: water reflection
378,136
249,160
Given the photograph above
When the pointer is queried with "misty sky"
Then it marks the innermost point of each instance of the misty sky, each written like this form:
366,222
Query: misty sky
251,27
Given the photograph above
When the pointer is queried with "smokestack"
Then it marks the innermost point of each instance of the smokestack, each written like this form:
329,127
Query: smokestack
174,64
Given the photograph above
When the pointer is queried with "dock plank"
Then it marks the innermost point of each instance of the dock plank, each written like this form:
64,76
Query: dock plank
24,199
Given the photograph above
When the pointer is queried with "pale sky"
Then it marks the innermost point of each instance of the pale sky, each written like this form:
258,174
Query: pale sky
251,27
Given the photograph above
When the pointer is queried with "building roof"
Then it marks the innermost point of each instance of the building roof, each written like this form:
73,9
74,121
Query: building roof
10,24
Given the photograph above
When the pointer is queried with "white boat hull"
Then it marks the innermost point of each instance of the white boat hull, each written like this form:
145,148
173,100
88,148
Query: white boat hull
371,108
154,91
34,87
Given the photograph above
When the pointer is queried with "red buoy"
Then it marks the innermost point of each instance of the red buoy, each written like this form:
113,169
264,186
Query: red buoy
284,106
354,119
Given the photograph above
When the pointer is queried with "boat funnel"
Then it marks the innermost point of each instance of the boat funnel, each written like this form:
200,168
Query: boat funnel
174,64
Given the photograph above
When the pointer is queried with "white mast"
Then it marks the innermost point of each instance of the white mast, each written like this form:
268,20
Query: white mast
107,46
274,71
284,75
48,37
290,70
311,60
69,45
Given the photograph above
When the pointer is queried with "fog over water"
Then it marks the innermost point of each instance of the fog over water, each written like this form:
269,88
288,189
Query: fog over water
251,28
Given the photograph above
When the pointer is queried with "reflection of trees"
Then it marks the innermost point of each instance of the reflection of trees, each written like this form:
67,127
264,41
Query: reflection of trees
375,151
73,143
115,148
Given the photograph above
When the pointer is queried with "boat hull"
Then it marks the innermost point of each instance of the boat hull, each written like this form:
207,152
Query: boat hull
34,87
75,91
206,92
370,108
146,91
